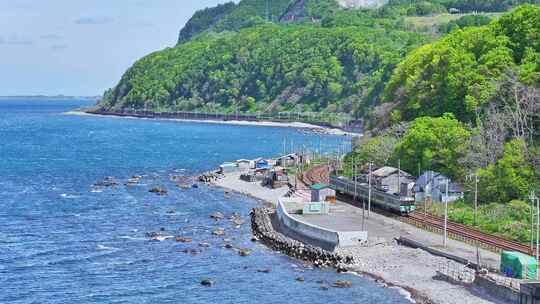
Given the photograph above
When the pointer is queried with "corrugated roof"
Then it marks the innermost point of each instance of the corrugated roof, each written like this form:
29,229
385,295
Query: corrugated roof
384,171
319,186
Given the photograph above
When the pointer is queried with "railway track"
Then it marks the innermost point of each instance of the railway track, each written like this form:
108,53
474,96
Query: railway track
466,233
321,173
317,174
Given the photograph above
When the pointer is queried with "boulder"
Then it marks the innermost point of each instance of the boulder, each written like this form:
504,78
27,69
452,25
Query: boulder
244,252
182,239
158,191
264,270
218,232
217,216
207,283
342,284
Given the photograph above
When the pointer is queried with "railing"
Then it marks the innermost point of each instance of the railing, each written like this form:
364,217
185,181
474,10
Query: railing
455,272
322,119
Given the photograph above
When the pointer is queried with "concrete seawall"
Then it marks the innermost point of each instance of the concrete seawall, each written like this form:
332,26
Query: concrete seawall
263,229
316,235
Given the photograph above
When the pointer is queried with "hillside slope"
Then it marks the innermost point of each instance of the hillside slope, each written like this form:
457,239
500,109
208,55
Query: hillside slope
266,68
460,72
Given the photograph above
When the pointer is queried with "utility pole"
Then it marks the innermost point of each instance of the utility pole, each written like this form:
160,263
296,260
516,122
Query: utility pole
369,188
446,214
354,179
399,179
534,199
474,178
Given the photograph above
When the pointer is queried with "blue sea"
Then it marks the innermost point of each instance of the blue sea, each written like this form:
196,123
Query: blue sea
64,241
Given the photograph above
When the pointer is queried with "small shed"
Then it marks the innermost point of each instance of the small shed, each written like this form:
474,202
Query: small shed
243,164
287,160
228,168
262,164
518,265
320,192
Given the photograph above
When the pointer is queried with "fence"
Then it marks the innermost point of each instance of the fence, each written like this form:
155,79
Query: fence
321,119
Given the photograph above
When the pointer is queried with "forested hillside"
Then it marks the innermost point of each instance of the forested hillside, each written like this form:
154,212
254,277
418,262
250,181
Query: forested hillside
267,68
466,104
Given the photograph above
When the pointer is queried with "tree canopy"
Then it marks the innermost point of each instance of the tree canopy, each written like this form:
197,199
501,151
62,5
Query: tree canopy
435,143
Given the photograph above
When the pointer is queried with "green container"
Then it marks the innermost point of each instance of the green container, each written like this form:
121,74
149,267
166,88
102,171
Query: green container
518,265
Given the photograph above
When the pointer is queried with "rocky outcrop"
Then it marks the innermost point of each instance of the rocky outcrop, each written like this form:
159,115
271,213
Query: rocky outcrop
361,3
263,231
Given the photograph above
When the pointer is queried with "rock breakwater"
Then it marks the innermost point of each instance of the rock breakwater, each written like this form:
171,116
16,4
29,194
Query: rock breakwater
263,230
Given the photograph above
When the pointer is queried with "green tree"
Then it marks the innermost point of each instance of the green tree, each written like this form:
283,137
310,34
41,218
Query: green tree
434,143
510,177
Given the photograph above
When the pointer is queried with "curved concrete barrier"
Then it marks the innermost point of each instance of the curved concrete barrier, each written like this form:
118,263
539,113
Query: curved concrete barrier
323,237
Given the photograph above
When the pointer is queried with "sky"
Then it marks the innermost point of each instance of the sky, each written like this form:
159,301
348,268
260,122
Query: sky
82,47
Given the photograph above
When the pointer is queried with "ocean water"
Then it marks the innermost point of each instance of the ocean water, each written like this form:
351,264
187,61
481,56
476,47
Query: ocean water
64,241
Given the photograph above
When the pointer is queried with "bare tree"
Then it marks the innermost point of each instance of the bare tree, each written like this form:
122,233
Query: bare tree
521,104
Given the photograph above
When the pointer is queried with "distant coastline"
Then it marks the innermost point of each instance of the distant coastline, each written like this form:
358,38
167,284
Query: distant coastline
298,125
45,97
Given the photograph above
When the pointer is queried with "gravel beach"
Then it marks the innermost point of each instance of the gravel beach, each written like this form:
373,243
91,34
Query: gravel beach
383,259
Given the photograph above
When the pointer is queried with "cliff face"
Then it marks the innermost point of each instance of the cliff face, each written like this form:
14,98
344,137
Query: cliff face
232,17
296,12
204,20
362,3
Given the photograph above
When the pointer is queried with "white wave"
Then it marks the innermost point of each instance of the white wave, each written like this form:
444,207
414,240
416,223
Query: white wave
127,237
70,196
161,238
103,247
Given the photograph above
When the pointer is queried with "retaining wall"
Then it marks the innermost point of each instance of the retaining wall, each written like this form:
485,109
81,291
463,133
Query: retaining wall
262,224
310,233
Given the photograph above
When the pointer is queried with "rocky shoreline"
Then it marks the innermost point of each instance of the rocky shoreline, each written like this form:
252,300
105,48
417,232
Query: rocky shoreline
263,231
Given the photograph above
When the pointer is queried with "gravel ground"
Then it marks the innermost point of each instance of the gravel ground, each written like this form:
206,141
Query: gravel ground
413,268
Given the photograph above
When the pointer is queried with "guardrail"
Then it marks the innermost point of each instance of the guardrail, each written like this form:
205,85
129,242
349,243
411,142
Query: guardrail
320,119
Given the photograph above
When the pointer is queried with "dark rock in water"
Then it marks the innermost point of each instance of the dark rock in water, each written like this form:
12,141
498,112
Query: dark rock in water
195,186
264,270
244,252
217,216
238,222
300,279
341,269
108,181
323,288
218,232
158,191
171,212
207,283
228,246
182,239
162,229
342,284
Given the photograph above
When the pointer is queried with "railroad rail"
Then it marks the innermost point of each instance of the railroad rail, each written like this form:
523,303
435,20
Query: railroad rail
317,174
466,233
433,223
